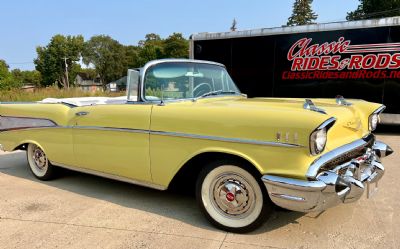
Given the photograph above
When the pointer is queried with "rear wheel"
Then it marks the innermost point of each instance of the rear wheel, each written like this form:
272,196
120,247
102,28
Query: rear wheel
232,198
39,163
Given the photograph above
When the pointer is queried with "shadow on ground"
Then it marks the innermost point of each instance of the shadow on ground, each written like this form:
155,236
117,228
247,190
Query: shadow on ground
174,204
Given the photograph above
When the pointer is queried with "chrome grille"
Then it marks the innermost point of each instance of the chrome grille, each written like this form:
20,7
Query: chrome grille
343,158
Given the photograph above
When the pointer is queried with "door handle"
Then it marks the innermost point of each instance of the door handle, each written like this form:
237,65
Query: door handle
79,114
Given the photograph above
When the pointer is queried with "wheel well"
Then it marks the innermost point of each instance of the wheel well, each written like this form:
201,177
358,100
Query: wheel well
22,147
185,180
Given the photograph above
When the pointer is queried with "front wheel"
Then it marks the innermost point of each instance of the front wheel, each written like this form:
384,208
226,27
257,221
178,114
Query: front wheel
39,163
232,198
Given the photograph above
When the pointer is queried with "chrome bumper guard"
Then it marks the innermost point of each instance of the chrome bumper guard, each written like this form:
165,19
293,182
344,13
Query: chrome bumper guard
343,183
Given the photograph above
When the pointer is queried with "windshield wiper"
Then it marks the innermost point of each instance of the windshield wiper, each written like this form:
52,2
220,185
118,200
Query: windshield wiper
218,92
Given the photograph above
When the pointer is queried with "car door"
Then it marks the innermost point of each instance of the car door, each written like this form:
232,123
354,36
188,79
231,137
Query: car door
113,139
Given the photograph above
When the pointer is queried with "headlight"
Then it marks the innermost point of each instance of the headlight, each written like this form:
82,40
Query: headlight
318,141
373,121
319,136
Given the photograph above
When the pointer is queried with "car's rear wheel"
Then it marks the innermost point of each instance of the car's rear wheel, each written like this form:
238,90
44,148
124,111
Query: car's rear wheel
232,197
39,163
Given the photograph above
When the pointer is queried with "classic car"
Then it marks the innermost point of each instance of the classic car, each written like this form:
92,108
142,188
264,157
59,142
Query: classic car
186,119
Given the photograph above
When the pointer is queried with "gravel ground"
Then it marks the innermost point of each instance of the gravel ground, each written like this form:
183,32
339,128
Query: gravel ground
83,211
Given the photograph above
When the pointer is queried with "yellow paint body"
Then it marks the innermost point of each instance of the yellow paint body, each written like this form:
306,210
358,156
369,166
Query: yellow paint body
125,139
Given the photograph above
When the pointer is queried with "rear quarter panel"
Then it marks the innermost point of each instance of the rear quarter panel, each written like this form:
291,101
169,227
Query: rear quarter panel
55,141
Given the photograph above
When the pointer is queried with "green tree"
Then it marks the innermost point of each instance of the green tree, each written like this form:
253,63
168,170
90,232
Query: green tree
302,13
151,48
6,79
56,60
176,46
4,76
31,77
4,73
108,57
132,57
368,9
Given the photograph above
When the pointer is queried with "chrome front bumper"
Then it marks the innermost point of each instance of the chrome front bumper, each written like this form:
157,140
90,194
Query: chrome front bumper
342,183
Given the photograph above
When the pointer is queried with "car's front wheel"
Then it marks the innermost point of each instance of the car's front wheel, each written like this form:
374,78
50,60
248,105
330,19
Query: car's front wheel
232,197
39,163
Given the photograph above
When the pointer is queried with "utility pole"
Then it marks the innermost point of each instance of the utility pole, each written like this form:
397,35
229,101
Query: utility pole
66,71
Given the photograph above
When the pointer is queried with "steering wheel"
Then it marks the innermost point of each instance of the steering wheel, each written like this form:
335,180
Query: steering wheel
201,89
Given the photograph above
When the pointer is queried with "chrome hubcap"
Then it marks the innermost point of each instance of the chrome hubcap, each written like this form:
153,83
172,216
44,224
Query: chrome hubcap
39,158
233,195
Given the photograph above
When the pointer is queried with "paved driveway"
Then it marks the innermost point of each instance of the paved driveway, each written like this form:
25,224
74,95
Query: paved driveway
83,211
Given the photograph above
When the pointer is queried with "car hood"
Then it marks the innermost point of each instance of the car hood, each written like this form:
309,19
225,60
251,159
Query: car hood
351,120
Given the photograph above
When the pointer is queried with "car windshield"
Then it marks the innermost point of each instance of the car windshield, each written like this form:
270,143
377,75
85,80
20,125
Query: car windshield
187,80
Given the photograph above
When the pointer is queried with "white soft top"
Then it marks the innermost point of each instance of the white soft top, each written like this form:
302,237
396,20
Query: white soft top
85,101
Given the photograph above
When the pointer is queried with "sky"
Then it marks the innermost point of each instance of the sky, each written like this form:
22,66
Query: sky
26,24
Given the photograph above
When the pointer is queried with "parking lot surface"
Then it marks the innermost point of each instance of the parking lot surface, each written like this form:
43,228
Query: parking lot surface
83,211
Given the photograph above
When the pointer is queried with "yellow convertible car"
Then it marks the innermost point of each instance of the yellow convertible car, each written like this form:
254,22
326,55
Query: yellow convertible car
186,119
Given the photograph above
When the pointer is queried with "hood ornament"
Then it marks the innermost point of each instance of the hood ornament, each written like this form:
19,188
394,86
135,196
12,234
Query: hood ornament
309,105
340,100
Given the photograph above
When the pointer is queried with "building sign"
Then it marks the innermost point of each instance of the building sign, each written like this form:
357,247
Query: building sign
341,60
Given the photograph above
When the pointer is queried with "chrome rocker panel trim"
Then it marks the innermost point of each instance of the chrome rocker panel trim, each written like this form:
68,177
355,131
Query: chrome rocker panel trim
345,183
110,176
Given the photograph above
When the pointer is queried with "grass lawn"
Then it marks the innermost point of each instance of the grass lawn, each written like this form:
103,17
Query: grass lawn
52,92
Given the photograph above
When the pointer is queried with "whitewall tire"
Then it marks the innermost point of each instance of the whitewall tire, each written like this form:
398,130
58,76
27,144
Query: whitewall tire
39,163
232,197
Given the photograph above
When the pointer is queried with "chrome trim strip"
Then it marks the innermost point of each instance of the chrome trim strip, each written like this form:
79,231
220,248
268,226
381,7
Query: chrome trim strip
111,176
289,197
322,160
194,136
327,123
379,110
176,134
110,129
223,139
35,128
295,184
